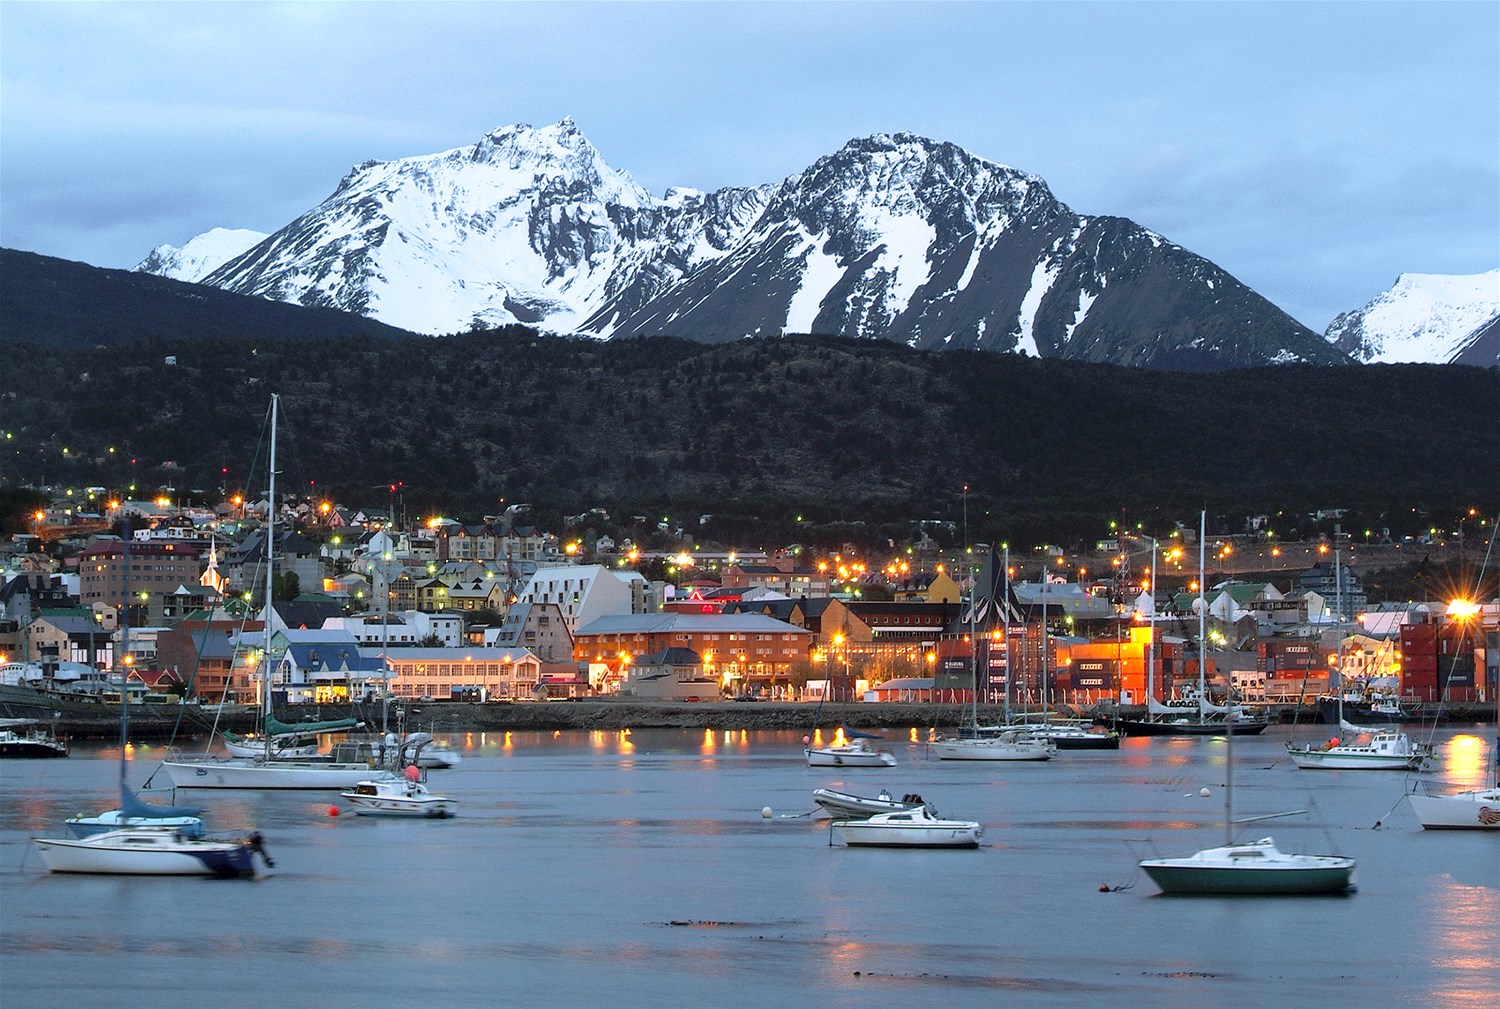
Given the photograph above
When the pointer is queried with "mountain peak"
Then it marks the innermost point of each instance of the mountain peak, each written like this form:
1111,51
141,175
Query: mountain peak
1424,318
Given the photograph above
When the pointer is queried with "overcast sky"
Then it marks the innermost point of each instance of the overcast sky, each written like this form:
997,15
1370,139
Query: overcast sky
1315,151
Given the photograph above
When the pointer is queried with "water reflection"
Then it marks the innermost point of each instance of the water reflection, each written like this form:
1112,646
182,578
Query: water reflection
1463,761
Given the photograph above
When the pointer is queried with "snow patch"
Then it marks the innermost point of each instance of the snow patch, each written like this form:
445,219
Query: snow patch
820,272
1042,278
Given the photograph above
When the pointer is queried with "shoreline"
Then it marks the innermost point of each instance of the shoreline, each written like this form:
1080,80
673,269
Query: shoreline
102,721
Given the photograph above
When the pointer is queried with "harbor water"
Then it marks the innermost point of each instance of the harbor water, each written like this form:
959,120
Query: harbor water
639,869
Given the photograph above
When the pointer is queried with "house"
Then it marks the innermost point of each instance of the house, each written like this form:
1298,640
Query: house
73,635
466,673
295,555
321,667
926,587
537,627
585,593
783,576
672,674
746,652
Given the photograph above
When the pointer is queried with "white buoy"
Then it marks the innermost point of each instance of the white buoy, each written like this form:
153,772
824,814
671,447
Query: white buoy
1204,791
765,812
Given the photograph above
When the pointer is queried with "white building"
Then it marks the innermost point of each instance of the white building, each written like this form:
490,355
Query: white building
587,592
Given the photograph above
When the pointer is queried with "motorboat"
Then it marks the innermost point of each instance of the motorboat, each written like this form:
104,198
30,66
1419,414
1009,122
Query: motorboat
24,737
405,796
1016,744
1255,867
422,749
856,753
847,806
152,851
1473,809
1369,749
911,828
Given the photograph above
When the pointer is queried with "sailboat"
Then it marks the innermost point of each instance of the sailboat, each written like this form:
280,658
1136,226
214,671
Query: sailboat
1255,867
1201,717
1471,809
351,763
976,742
141,839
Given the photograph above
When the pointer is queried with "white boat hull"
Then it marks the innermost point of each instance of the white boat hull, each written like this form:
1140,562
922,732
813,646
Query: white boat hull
276,774
846,806
1028,748
147,852
848,756
1478,809
916,828
434,807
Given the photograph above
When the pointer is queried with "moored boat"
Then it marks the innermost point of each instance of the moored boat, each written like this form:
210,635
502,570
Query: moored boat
847,806
1474,809
1255,867
407,796
857,753
24,737
151,851
1011,745
1369,749
912,828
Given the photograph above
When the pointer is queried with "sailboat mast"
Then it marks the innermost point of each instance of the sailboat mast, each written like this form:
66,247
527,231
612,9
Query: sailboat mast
265,660
1202,610
1006,613
120,662
1151,641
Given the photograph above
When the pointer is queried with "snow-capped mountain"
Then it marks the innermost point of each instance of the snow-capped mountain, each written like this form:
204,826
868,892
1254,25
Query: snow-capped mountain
1427,319
893,237
201,256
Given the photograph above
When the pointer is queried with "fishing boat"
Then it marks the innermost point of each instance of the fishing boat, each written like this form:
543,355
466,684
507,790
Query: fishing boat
847,806
911,828
407,796
346,766
1362,748
855,753
27,737
152,851
1256,867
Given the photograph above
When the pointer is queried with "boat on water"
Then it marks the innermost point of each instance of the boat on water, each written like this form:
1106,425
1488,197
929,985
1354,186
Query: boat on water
911,828
855,753
286,740
1202,719
848,806
141,839
1373,710
1012,744
1068,733
407,796
27,737
429,753
1362,748
152,851
1255,867
1473,809
183,820
349,763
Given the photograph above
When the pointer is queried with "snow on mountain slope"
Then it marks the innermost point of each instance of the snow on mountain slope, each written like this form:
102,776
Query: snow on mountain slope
892,237
201,256
1424,318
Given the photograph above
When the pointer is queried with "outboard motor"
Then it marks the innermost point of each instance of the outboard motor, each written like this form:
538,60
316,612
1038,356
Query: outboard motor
258,845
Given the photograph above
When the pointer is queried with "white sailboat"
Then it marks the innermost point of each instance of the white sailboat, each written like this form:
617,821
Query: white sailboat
976,742
140,839
350,764
1256,867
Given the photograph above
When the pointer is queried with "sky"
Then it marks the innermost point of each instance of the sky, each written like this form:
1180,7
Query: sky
1313,150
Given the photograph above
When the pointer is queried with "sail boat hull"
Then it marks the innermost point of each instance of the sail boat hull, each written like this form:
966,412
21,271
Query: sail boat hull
1253,868
1478,809
276,774
1187,727
148,851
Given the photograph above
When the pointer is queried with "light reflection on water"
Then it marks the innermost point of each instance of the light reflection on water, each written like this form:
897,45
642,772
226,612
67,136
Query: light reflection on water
572,852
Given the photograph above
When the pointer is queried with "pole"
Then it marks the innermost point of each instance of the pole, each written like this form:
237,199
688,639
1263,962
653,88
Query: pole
265,659
1006,615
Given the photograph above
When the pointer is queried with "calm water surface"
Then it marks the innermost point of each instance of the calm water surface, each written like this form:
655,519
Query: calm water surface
637,869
